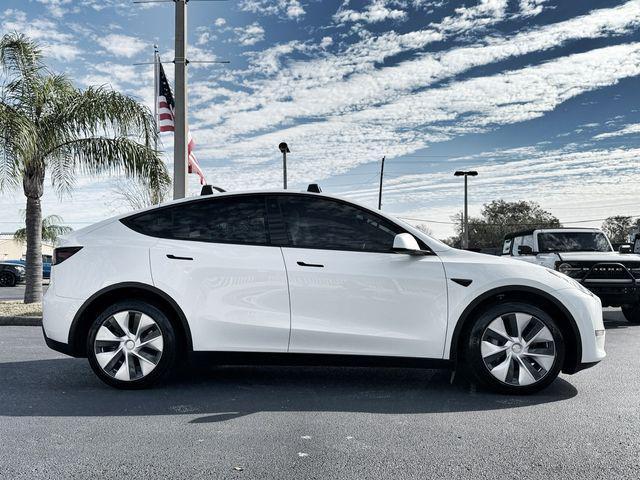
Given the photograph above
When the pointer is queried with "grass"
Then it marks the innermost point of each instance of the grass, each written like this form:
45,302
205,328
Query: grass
16,308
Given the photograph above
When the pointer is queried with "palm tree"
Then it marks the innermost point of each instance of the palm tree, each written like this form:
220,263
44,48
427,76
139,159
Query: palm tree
47,125
52,228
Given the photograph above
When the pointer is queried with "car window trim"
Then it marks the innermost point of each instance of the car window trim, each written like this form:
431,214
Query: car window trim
268,220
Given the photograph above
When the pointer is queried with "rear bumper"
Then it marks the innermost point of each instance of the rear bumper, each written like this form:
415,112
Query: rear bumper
57,346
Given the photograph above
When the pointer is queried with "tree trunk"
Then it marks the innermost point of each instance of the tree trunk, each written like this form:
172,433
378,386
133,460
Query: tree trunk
33,183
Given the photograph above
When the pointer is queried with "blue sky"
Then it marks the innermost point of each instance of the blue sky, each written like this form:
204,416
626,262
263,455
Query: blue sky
539,96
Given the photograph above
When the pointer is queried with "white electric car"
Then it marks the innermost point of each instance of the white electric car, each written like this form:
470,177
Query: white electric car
307,278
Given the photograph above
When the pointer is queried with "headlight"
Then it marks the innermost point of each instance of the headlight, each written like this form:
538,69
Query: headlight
20,268
570,281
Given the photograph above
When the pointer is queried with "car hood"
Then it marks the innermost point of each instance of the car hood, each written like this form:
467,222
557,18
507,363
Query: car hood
599,257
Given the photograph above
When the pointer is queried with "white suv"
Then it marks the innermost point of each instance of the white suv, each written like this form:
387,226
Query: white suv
586,255
305,277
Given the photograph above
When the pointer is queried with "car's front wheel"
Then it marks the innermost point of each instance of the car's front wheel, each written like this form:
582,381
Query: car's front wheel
131,344
7,279
515,348
632,313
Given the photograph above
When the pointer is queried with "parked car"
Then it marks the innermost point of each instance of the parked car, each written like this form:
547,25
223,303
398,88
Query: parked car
585,255
11,274
46,265
306,277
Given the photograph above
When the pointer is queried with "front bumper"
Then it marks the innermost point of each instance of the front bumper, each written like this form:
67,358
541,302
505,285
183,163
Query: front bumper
586,310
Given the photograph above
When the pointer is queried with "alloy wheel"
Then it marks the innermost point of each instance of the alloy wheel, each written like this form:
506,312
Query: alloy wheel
128,345
518,349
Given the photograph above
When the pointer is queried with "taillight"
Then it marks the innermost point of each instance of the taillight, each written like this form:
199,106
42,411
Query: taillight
60,254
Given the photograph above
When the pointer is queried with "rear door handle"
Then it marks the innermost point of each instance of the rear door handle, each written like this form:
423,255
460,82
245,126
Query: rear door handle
173,257
317,265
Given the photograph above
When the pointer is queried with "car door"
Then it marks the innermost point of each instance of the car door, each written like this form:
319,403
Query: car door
350,294
214,258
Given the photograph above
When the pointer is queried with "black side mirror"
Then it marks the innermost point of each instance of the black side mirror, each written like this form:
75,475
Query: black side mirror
525,250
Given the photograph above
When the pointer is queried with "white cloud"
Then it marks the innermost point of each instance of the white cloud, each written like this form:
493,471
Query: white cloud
250,34
376,11
55,43
318,88
530,8
413,122
631,129
291,9
120,45
220,22
326,42
56,7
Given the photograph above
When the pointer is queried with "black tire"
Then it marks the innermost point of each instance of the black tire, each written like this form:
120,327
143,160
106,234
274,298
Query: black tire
475,363
167,353
7,279
632,313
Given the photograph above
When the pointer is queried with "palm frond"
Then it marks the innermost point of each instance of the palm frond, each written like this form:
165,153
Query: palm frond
99,155
20,56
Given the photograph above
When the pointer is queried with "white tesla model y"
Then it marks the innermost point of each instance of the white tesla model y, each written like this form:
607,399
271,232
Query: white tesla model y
306,277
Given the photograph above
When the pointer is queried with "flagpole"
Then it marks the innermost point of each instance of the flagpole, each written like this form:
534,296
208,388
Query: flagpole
180,115
156,87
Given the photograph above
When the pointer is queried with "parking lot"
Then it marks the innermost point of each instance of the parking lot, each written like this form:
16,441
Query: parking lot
17,292
58,421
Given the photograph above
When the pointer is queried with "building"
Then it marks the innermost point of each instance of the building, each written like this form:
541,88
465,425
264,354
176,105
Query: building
12,250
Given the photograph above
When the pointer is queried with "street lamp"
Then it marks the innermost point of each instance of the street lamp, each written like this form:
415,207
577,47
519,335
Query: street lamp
284,149
465,225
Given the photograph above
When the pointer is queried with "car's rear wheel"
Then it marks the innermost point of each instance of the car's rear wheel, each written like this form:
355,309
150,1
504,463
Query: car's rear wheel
7,279
515,348
131,344
632,313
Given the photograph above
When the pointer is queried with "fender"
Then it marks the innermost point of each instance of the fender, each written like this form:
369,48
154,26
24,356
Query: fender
125,285
516,289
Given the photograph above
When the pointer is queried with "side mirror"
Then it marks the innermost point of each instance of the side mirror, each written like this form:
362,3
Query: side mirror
406,243
525,250
624,248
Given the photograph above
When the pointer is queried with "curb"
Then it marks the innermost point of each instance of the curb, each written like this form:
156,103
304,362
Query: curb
21,321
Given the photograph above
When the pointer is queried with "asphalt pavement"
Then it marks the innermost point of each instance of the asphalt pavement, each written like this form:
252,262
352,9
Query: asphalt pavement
17,292
57,420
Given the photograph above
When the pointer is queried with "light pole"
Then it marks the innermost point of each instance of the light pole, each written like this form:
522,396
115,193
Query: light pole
284,149
180,154
465,224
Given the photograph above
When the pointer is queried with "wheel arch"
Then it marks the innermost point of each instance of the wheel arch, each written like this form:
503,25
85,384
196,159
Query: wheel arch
544,300
123,291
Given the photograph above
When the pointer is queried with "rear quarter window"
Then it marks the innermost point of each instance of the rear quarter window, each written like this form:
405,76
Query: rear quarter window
240,220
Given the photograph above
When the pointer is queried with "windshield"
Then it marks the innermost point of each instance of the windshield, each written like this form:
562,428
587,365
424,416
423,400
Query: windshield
573,242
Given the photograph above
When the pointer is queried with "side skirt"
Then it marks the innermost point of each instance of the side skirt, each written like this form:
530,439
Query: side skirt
312,359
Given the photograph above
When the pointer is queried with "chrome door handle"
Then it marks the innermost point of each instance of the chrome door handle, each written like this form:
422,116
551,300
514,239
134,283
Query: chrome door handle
317,265
173,257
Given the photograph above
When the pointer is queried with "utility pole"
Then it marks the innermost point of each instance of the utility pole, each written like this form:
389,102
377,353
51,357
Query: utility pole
465,222
380,191
284,148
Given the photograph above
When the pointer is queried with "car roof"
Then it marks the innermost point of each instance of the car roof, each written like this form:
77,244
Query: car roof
530,231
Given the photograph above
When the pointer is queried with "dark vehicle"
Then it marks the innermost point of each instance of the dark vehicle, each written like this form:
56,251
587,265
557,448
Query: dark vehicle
46,265
587,256
11,274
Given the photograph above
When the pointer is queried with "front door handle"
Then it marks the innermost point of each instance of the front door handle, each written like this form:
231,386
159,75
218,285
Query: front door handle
173,257
317,265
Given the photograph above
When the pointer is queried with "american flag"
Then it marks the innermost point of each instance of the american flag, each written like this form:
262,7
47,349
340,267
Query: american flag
166,106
